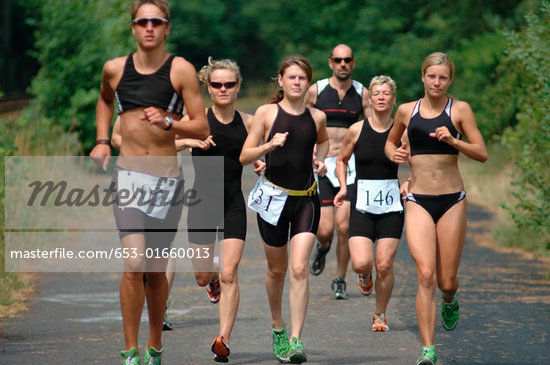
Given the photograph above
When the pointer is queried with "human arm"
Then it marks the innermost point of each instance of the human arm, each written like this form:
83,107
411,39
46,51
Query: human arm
195,124
394,152
252,150
311,96
322,144
346,150
475,147
367,111
116,137
101,153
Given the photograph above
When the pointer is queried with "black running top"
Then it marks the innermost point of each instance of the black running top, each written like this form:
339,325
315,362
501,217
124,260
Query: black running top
340,113
291,166
419,130
137,90
229,139
370,160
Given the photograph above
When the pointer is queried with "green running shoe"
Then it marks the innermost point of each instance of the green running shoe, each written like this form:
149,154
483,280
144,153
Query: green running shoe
296,353
280,344
428,356
153,356
130,357
449,315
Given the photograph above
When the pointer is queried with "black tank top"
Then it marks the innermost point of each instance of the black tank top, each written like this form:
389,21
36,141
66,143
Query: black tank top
137,90
419,130
290,166
370,160
229,139
340,113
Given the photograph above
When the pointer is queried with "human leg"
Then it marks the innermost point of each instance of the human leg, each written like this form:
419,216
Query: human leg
132,291
451,232
300,249
385,254
229,300
361,252
342,231
421,239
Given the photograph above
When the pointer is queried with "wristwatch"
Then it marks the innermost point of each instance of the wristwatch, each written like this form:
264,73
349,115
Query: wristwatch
170,122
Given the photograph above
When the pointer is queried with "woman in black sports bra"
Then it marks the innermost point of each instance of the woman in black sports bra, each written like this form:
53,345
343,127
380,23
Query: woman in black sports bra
435,222
286,196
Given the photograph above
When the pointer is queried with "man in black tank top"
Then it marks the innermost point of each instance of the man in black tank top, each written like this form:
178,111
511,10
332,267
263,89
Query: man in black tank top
149,87
344,101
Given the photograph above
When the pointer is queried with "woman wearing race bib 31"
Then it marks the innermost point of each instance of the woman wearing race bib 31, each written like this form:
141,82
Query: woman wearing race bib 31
377,213
290,131
436,201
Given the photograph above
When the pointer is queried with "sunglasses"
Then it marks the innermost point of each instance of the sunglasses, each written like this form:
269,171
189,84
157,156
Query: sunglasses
339,60
142,22
227,85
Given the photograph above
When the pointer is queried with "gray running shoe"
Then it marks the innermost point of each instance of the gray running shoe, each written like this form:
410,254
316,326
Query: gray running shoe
338,287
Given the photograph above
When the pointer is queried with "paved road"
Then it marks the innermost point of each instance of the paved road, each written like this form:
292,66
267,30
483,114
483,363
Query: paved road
504,299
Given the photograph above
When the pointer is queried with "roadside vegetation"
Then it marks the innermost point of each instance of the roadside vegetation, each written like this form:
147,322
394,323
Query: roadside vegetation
501,51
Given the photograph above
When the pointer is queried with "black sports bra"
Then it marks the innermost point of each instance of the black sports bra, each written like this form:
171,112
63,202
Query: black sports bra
137,90
419,130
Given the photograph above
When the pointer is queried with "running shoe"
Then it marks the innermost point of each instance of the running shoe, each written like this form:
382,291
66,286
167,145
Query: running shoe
449,314
280,344
365,284
428,356
338,287
379,323
296,353
153,356
317,259
220,348
213,289
130,357
166,326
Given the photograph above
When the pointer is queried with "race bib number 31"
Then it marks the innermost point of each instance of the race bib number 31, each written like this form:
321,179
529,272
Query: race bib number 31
378,196
267,200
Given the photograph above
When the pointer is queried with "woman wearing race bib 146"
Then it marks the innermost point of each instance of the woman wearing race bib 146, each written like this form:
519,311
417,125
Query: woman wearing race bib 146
435,222
290,131
376,214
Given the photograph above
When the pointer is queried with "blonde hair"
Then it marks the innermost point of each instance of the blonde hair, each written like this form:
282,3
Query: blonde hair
383,79
438,58
161,4
213,65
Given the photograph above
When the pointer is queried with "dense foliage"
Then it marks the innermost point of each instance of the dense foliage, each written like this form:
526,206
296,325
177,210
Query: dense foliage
529,53
500,49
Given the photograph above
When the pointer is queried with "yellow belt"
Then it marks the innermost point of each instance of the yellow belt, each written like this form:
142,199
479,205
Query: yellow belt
312,190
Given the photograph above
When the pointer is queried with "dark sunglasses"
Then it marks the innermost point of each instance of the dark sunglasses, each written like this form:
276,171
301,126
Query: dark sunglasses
227,85
339,60
142,22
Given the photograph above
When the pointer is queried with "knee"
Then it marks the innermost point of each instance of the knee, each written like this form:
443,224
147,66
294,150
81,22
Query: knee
361,267
135,265
426,278
384,268
324,235
299,271
448,285
342,228
203,278
228,276
277,274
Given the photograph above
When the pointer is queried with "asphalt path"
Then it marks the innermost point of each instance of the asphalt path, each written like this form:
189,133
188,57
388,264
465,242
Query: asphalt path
504,299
